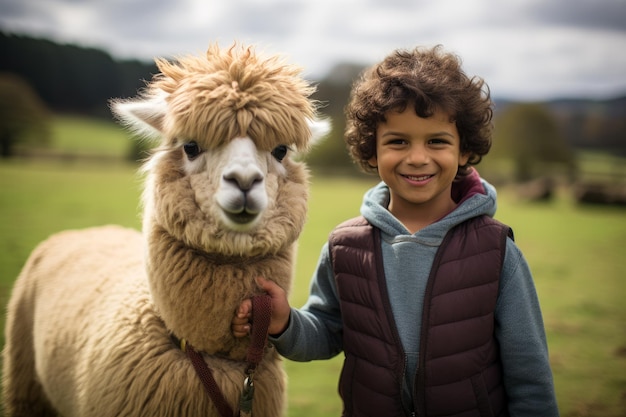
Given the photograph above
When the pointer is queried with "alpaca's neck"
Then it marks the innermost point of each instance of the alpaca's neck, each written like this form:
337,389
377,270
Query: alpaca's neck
197,293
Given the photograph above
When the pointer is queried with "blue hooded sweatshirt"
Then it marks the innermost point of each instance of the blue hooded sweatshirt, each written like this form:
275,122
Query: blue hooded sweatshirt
315,330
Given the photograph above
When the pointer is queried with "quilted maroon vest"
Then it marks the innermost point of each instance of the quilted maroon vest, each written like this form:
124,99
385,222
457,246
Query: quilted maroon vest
459,371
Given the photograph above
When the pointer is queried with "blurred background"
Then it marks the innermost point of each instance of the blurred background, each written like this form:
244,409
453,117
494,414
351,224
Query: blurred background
556,71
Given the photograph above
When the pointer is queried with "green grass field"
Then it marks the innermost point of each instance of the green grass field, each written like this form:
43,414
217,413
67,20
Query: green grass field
576,254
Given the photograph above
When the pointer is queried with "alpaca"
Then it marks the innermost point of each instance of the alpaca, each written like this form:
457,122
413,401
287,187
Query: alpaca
94,315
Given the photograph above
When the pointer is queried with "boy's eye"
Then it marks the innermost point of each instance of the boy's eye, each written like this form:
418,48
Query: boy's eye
438,141
396,141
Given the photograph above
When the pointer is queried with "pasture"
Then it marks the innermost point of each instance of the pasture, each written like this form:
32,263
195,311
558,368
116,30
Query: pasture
576,254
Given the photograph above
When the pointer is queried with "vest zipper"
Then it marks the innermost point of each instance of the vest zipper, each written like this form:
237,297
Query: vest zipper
420,383
382,285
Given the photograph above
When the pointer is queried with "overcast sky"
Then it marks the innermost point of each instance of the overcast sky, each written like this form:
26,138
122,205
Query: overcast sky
524,49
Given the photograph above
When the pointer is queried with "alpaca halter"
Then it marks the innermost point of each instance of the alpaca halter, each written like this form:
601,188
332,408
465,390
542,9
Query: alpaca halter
261,314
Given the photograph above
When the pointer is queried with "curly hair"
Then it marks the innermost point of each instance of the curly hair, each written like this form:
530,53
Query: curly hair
432,80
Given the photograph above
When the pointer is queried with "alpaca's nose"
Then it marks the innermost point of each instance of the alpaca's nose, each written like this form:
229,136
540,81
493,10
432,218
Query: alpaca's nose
244,177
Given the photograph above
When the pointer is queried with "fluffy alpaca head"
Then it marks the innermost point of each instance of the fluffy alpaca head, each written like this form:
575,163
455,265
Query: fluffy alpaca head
223,179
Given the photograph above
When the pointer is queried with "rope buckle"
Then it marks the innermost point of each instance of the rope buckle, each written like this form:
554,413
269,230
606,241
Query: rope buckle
247,395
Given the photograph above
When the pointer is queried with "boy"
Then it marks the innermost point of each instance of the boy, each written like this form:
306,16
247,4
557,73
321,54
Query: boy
429,298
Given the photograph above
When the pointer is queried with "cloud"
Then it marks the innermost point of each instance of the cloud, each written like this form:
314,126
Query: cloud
528,49
604,15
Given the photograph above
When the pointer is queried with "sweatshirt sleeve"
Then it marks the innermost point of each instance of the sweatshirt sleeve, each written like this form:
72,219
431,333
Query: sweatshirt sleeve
521,335
315,330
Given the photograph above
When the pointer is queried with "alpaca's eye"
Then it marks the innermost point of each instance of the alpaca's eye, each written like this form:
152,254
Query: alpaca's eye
191,149
280,152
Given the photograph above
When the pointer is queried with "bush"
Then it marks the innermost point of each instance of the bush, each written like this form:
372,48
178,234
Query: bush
24,118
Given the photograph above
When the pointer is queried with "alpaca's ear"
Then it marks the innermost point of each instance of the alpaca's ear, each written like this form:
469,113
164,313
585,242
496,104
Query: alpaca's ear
320,128
143,116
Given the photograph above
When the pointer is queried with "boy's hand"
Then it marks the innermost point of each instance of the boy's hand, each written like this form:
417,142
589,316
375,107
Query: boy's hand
240,325
281,310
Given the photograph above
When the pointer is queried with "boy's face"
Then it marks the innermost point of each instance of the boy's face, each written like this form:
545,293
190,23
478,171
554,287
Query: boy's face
418,159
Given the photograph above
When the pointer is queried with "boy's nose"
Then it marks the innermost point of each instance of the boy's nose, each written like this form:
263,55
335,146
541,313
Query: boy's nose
418,155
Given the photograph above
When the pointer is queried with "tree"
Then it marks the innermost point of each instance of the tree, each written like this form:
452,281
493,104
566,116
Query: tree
24,118
529,135
333,93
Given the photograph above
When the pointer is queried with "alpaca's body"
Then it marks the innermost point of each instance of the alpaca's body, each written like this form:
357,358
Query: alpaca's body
118,357
91,319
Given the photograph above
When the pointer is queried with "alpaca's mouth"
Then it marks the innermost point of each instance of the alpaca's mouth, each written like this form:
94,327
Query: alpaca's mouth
242,211
243,217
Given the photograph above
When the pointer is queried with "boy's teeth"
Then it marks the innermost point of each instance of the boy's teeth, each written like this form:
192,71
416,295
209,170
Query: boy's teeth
422,178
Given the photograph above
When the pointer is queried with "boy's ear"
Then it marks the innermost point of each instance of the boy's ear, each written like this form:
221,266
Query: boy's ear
464,158
373,161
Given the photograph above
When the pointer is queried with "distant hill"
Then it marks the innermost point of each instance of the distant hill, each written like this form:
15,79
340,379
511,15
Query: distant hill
588,123
70,78
593,123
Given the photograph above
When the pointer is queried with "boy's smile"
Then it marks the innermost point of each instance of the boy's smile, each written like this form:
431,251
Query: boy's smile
418,158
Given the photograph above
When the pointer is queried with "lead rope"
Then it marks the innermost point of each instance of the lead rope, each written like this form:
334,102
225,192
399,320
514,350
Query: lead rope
261,314
206,376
